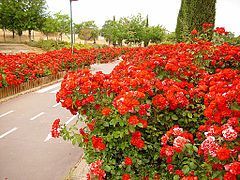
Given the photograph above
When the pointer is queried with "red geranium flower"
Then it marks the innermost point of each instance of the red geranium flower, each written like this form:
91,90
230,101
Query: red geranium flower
126,177
106,111
128,161
194,31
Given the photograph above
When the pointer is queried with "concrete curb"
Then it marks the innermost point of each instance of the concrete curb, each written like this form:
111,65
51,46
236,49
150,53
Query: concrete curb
79,171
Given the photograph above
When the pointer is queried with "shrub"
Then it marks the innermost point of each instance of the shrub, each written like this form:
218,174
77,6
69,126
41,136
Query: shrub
146,120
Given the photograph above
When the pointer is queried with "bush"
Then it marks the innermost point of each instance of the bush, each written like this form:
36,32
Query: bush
165,112
50,45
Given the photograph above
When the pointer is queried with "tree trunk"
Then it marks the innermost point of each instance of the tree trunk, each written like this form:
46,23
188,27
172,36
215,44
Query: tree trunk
29,35
146,43
13,34
4,34
33,35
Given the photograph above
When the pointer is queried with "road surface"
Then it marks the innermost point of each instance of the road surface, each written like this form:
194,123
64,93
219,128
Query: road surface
27,151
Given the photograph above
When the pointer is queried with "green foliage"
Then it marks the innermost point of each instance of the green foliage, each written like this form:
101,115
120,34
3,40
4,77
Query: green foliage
49,26
133,30
62,24
50,45
192,14
87,30
21,15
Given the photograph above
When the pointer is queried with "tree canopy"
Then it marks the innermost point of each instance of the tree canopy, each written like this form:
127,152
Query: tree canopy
133,30
21,15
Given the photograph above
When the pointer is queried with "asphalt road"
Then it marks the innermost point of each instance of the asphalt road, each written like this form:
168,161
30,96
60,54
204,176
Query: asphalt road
27,151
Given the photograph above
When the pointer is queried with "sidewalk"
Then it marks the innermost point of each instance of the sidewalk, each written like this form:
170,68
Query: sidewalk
80,170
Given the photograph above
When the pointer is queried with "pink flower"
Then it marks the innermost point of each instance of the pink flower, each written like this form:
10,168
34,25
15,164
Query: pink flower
177,131
179,142
229,134
209,145
233,168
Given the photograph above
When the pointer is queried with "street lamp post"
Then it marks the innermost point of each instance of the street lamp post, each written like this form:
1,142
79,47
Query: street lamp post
71,23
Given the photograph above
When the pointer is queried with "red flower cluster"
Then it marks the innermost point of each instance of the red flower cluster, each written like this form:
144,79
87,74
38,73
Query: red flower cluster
54,131
85,135
106,111
126,177
136,141
221,31
96,170
20,68
133,120
175,79
97,143
128,161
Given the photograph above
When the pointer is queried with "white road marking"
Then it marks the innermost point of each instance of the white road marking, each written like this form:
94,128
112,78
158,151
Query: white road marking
71,119
6,113
49,136
56,105
48,88
8,132
55,91
34,117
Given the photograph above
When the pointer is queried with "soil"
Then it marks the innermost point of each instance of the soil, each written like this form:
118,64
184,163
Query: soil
18,48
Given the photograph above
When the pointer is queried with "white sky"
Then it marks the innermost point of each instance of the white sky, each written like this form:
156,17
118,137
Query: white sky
162,12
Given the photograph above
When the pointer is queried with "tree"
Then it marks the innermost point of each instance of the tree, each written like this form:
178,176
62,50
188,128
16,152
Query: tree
35,15
132,30
87,30
192,14
49,25
62,22
135,29
20,15
107,31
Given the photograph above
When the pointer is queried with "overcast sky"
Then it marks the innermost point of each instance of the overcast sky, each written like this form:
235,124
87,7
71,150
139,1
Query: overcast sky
162,12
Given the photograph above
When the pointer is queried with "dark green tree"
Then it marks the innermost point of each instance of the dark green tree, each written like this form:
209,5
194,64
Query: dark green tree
192,15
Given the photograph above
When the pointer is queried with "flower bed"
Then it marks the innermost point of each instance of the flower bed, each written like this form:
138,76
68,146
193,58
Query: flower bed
19,68
165,112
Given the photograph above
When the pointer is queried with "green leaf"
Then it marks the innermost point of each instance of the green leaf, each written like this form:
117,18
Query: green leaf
107,168
192,165
64,138
195,148
189,114
184,113
115,134
79,140
185,169
74,142
188,146
131,129
75,128
140,125
176,177
174,117
167,118
215,174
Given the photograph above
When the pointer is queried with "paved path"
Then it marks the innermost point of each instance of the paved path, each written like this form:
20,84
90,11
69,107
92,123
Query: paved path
27,150
18,48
